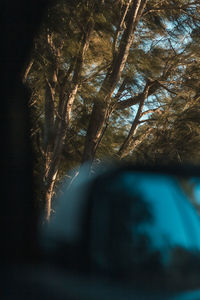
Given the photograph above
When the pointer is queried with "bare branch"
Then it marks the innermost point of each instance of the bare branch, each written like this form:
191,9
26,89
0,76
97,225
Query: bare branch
27,70
98,70
158,109
121,88
135,123
136,99
120,27
167,89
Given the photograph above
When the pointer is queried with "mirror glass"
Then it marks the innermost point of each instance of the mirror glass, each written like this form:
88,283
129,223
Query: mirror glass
146,227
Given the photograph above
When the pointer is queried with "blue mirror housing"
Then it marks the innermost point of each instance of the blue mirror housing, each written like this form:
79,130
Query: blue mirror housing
143,225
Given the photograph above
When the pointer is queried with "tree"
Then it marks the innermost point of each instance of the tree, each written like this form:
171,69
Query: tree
105,75
62,67
102,104
174,128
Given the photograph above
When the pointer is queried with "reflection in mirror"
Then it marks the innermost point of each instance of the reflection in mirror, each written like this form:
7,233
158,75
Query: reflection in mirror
145,228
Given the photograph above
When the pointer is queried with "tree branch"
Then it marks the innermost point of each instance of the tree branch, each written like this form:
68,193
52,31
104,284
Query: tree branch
166,88
120,27
152,110
135,123
136,99
27,70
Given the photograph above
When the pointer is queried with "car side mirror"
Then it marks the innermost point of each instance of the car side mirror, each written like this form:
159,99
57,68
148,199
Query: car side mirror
135,225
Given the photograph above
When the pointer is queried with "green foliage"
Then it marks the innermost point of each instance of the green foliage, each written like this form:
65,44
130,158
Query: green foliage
165,51
175,135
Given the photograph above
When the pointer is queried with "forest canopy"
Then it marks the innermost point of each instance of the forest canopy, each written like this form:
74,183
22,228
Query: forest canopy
114,79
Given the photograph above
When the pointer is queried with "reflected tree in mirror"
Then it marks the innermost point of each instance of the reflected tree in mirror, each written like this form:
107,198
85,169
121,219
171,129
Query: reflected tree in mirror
144,228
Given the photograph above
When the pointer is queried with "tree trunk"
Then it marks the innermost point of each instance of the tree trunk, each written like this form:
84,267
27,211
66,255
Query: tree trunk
48,141
63,117
102,104
48,196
